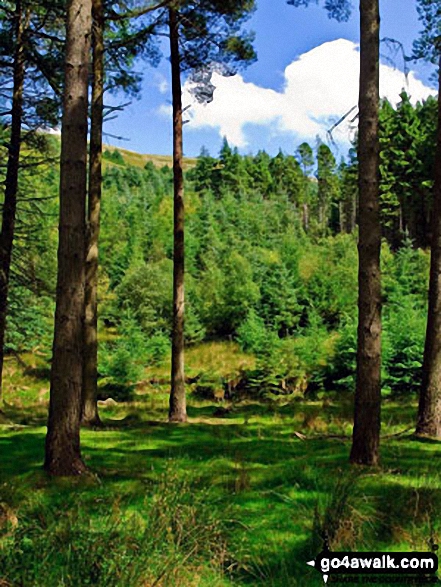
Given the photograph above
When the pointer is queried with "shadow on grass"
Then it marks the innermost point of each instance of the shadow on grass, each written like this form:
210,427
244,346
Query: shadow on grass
271,478
40,373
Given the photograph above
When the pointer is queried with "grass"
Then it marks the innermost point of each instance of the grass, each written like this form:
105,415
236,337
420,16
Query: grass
139,159
243,499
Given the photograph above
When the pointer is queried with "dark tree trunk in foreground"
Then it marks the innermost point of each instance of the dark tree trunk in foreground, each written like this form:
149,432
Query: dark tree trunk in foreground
63,455
178,410
366,434
429,410
11,184
90,415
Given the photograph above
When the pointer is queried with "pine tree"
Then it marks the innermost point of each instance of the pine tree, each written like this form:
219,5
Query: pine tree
306,159
11,181
32,104
348,173
428,46
90,414
63,454
129,36
178,409
204,36
366,434
328,193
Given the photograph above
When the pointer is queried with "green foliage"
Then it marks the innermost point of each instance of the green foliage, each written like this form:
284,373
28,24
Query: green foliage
114,156
289,365
315,350
146,291
254,337
119,547
405,276
340,374
157,347
122,362
403,345
328,192
406,169
252,273
405,315
428,45
329,275
338,9
29,321
233,47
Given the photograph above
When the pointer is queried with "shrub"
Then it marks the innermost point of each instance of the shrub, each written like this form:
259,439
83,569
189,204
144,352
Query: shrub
339,375
122,362
114,156
315,350
403,346
254,337
146,293
30,321
157,347
328,271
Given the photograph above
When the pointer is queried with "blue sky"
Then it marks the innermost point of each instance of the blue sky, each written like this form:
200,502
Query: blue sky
305,78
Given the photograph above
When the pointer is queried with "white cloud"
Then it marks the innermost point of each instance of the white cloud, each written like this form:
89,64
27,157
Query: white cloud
320,87
161,83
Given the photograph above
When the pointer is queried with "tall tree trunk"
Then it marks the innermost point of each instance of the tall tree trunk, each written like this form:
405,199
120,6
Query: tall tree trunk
177,410
90,415
429,410
305,217
366,434
349,214
340,217
63,455
11,185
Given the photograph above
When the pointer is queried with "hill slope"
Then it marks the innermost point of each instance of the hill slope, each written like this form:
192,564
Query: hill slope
139,159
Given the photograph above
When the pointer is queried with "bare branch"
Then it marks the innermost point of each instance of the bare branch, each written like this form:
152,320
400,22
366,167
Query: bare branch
116,137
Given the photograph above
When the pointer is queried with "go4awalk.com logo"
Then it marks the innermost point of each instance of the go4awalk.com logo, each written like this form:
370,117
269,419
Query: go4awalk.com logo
400,564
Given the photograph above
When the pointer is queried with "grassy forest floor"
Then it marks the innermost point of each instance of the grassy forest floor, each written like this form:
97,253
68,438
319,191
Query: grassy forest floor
238,496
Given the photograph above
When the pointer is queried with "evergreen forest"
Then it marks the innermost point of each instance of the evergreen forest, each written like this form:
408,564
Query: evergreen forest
306,415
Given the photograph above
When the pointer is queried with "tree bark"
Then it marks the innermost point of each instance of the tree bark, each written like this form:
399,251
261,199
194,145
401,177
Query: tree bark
366,433
305,217
90,416
63,455
429,409
11,184
177,408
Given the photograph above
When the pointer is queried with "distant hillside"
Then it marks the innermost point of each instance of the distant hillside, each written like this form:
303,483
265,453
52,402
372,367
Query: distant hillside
139,159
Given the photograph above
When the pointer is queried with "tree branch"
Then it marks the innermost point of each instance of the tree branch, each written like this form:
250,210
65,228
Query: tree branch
114,16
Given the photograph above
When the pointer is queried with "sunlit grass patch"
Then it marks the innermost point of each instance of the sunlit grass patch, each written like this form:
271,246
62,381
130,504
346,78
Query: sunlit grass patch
270,475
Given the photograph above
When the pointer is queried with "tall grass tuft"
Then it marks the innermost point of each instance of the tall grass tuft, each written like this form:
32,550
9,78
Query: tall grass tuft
170,538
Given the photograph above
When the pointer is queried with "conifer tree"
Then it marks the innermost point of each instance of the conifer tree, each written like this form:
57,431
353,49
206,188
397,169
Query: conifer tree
63,454
178,409
32,102
366,433
11,181
203,38
90,414
306,160
428,47
129,36
328,190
